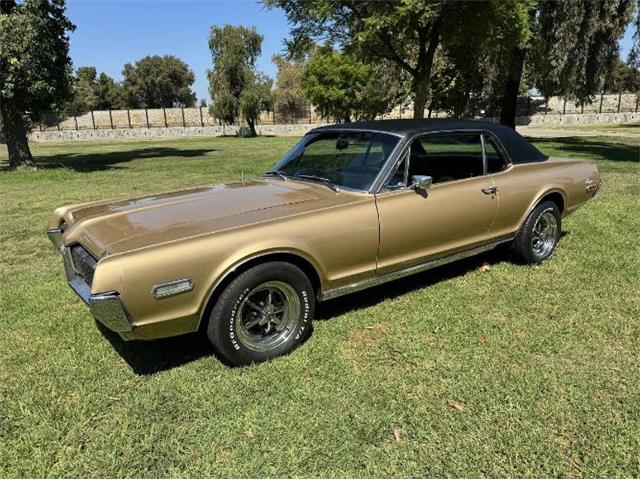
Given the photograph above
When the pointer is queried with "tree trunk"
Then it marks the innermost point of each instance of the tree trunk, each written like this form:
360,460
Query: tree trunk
252,127
421,91
15,134
422,76
511,88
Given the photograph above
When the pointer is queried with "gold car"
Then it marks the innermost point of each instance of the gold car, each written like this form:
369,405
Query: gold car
349,207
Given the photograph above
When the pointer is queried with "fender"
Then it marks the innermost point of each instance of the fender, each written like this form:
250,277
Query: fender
537,200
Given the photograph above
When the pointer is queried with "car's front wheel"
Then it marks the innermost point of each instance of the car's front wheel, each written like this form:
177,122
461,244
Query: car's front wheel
539,235
263,313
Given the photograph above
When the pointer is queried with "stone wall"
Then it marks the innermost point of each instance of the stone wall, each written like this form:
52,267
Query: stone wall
578,119
296,130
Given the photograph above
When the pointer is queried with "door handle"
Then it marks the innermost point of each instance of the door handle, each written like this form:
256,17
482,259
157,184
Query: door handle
490,190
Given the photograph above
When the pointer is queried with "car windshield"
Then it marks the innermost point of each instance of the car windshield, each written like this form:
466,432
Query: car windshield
347,159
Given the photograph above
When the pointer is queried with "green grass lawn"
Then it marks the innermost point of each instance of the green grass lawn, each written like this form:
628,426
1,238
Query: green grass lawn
629,129
514,371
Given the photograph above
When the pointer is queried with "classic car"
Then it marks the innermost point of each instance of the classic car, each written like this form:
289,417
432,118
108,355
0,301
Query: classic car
349,207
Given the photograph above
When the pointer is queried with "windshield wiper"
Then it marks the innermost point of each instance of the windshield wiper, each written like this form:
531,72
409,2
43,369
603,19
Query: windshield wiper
316,178
277,173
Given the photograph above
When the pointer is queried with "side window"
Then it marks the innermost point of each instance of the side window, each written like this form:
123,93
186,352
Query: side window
495,162
447,157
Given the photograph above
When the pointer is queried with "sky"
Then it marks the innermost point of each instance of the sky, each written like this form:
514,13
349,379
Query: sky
111,33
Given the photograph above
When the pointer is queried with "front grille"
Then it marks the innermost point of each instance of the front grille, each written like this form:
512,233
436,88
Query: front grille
83,262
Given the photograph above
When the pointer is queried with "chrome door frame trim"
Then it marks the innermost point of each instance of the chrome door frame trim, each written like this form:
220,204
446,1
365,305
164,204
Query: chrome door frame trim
405,272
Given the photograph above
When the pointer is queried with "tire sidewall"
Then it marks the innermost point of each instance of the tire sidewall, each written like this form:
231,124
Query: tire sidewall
222,328
535,216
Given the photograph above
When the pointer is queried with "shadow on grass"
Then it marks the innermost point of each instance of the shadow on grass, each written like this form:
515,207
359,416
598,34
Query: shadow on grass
374,296
150,357
91,162
589,148
146,358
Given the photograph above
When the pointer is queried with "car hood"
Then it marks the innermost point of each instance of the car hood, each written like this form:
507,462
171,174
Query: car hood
114,227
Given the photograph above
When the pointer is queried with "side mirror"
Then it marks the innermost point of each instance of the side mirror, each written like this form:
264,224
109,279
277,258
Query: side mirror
421,182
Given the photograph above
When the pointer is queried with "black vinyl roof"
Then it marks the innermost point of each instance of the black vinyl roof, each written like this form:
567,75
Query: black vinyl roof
518,148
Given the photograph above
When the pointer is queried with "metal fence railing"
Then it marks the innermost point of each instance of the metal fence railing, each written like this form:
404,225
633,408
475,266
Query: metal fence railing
200,117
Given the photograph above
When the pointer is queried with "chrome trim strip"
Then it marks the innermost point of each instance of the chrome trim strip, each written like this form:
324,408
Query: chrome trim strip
340,127
175,292
485,170
388,277
55,235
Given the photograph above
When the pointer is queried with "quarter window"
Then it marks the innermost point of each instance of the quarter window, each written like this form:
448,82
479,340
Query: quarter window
495,161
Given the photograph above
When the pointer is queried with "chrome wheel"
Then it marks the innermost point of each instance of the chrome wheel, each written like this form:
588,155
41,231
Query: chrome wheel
544,235
267,316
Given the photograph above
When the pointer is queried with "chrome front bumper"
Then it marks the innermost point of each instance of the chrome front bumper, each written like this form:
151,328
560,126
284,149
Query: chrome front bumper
106,307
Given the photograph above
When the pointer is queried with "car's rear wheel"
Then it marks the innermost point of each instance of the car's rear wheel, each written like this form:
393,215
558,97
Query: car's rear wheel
263,313
538,237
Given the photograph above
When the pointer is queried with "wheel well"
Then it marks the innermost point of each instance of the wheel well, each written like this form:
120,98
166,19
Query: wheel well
554,197
303,264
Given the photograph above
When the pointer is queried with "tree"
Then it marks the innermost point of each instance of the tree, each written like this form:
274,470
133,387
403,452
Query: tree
569,49
342,88
406,33
156,81
93,92
256,97
84,96
35,69
109,93
289,98
235,87
330,81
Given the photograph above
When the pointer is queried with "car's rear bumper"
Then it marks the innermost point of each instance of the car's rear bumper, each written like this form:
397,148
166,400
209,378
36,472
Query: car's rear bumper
107,307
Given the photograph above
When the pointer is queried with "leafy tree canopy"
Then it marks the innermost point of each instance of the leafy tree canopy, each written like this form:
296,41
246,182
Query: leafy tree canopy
575,44
94,92
158,81
342,87
406,33
35,69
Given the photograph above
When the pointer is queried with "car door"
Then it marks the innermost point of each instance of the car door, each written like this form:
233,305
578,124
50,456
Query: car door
454,214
